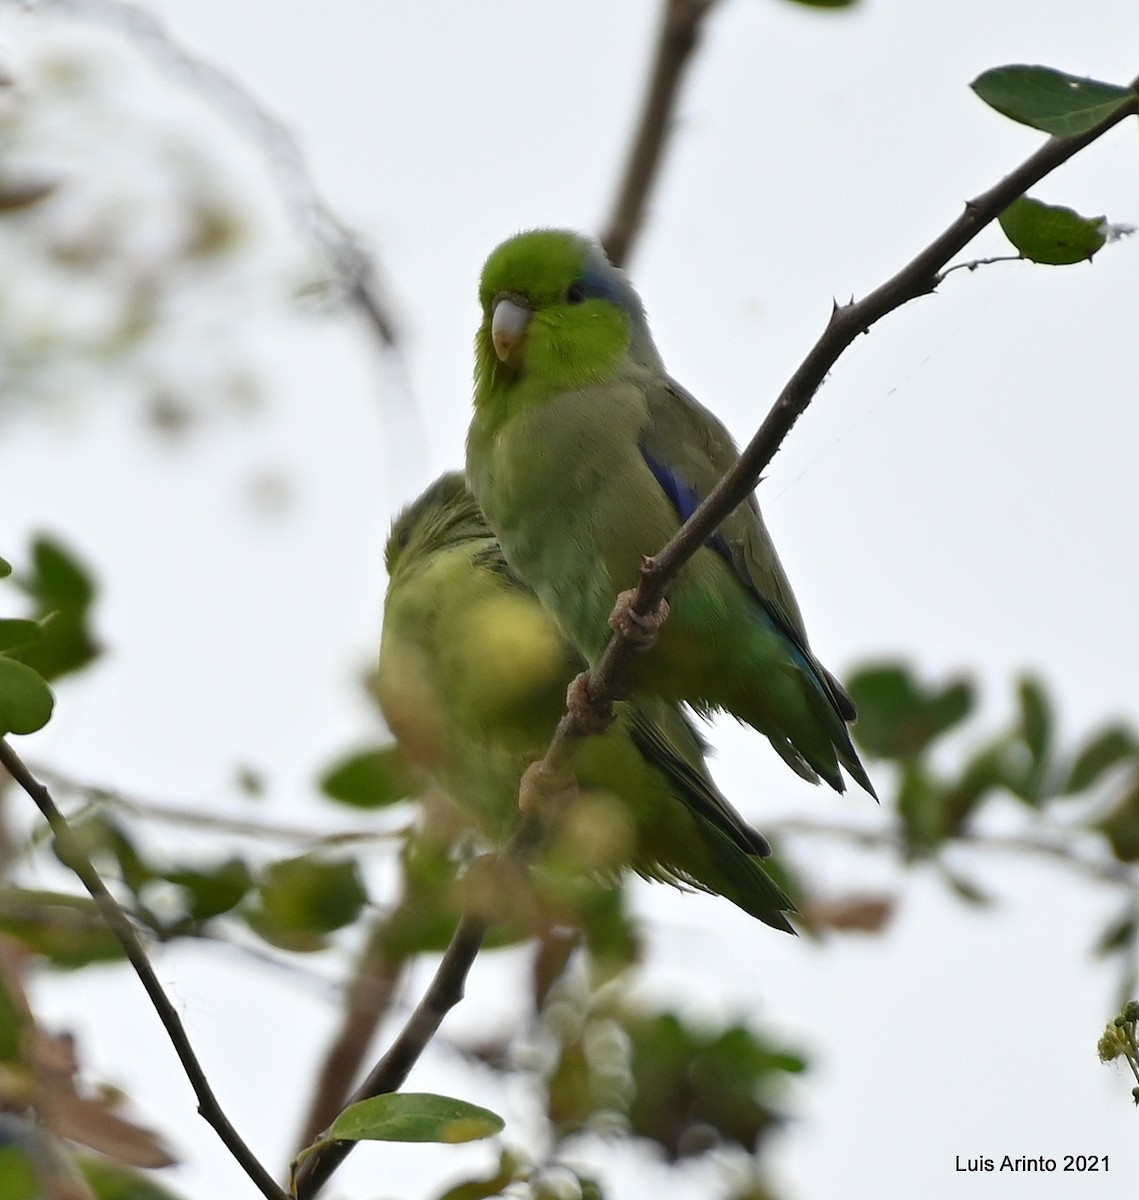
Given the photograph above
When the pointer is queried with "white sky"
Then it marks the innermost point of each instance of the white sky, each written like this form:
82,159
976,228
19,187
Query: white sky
962,492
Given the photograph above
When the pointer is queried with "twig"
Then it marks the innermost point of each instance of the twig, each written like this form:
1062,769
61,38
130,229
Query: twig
1056,845
352,264
679,36
974,263
367,998
194,818
443,993
72,856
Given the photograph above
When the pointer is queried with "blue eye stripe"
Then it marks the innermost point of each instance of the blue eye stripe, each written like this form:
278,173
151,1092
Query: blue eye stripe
601,283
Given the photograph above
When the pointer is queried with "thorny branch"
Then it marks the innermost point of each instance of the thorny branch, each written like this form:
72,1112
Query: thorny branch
919,277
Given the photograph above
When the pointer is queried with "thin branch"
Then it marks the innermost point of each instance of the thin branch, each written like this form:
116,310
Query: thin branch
351,263
680,30
974,263
187,817
443,993
367,998
1054,844
72,856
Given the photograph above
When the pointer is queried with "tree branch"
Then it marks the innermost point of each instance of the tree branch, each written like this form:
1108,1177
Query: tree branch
367,998
353,266
1056,844
72,856
189,817
388,1075
443,993
918,277
680,31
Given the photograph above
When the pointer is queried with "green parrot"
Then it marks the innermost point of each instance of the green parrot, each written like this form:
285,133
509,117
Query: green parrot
586,456
472,681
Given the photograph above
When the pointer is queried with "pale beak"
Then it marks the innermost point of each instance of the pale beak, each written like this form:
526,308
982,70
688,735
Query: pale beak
508,326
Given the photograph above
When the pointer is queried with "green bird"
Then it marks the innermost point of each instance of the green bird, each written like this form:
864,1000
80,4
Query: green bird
586,456
472,680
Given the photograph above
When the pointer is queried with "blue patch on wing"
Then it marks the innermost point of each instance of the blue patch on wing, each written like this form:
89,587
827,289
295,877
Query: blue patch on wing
684,499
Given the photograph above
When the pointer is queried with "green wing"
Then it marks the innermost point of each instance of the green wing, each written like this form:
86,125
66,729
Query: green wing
692,443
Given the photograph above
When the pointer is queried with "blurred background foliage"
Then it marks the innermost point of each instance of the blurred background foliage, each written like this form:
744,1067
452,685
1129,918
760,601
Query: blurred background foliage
121,234
599,1061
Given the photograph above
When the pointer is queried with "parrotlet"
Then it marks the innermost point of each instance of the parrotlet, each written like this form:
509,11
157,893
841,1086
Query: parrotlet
472,680
586,457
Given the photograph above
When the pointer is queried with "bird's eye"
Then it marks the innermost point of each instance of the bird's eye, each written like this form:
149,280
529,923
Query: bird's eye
403,537
575,293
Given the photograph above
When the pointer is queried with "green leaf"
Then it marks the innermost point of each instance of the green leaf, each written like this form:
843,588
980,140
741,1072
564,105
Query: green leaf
1030,750
211,893
68,930
509,1170
100,835
60,580
25,700
1119,935
16,633
309,895
415,1117
921,806
425,918
63,592
1050,100
110,1180
5,568
694,1086
1052,235
897,717
370,779
1121,826
1036,718
1098,755
964,888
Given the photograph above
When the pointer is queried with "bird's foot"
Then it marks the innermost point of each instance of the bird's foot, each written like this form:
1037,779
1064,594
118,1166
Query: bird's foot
639,628
591,716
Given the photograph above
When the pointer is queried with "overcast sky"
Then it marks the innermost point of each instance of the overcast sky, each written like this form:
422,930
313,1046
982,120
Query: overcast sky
962,492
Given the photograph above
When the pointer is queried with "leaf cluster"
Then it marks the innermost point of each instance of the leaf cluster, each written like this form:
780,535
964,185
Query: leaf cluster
1086,794
54,640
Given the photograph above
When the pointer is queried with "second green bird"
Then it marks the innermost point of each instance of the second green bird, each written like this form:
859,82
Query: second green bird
472,680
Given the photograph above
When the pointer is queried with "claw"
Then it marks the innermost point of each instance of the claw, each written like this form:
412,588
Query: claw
639,628
592,717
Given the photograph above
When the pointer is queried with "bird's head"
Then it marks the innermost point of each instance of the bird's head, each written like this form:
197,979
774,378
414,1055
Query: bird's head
445,515
557,313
